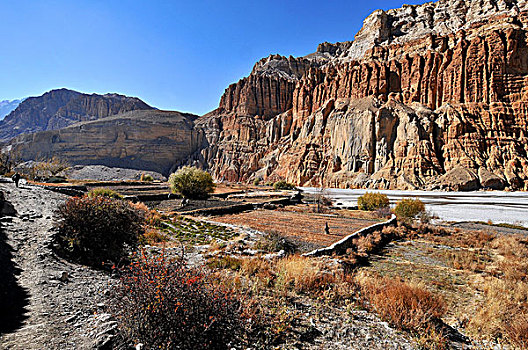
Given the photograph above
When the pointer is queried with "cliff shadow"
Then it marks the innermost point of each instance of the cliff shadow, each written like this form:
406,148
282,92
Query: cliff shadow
13,298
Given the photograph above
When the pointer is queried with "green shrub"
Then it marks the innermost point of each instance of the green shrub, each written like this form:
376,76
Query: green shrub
165,304
372,201
257,181
408,209
146,178
192,182
283,185
104,192
97,230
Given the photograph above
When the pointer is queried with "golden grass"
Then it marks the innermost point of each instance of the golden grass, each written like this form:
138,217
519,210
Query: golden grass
407,306
469,260
154,237
301,274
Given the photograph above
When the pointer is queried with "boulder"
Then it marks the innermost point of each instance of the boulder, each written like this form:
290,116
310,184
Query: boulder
490,180
460,179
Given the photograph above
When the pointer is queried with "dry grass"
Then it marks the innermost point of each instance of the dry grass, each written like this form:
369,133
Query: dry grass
407,306
483,275
469,260
302,275
503,314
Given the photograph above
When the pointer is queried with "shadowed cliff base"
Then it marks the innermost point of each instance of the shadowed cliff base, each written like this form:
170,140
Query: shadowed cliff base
13,298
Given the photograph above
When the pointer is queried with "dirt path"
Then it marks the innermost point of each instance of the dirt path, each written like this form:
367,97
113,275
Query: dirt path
64,304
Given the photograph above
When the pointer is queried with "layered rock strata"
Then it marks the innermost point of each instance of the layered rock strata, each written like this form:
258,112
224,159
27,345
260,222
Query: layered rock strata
146,140
62,107
423,95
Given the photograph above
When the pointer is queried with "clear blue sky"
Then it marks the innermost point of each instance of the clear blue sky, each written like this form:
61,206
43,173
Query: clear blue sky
177,55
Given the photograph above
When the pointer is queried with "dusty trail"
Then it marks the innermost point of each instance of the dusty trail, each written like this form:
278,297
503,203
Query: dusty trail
64,306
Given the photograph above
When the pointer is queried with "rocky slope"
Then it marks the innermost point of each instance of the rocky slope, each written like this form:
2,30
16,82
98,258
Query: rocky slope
60,108
434,96
145,140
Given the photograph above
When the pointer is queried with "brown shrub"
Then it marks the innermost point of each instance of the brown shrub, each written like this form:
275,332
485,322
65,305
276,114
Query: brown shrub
517,331
502,310
406,306
470,260
153,236
511,246
97,230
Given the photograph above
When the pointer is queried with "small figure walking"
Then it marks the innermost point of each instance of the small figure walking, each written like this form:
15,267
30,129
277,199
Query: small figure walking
16,178
327,229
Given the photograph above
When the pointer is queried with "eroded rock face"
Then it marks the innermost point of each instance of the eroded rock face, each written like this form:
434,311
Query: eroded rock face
60,108
422,90
145,140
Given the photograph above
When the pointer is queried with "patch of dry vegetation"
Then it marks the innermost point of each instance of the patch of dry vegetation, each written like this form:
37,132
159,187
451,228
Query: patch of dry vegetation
484,276
503,314
407,306
272,285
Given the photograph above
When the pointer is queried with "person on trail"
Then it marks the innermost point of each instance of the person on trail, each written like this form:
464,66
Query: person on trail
327,229
16,178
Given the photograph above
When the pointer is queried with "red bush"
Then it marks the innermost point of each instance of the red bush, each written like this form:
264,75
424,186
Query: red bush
167,305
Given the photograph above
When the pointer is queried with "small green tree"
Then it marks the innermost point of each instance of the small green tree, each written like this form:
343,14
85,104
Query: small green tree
192,182
283,185
408,209
371,201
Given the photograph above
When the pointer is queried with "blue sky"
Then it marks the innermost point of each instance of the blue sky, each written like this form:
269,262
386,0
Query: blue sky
178,55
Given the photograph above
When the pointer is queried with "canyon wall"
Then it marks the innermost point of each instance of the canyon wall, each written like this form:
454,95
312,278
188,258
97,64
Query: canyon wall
429,96
145,140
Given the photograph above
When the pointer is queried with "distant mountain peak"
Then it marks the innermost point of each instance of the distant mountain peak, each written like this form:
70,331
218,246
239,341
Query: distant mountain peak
62,107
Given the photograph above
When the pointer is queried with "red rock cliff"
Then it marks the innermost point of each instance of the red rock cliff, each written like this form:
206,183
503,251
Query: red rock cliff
426,96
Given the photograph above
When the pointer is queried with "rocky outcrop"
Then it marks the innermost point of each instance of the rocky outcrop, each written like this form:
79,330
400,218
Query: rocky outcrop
422,90
144,140
60,108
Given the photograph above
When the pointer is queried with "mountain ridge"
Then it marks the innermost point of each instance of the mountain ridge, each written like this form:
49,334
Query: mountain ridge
59,108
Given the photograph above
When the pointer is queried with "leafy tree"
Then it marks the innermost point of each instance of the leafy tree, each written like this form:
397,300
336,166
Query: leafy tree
192,183
408,209
371,201
283,185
